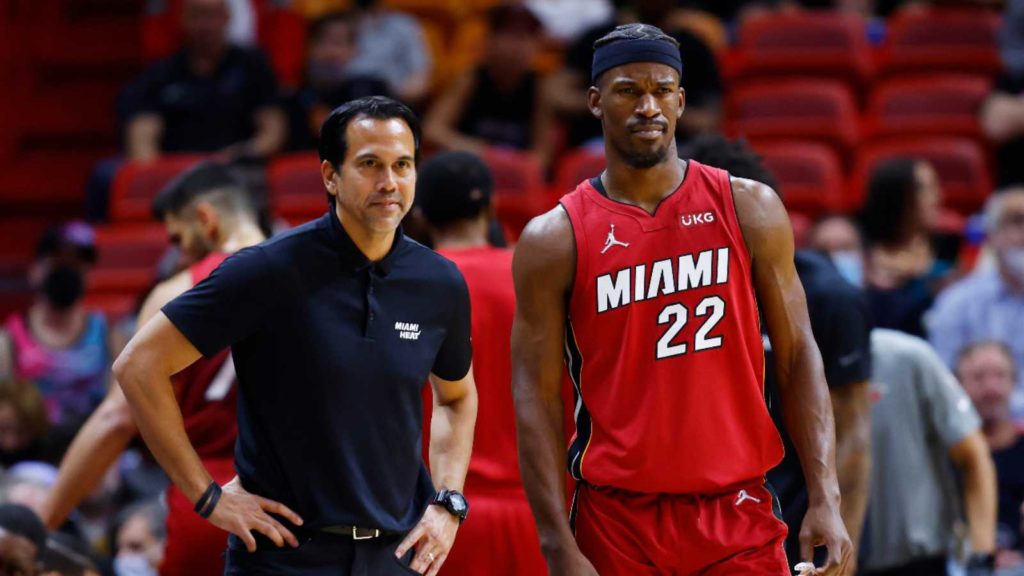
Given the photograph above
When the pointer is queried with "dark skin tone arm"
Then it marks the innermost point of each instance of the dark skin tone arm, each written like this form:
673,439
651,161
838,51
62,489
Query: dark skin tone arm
543,267
806,406
852,407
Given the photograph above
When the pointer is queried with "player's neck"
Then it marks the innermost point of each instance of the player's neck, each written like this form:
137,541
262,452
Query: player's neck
644,187
241,236
461,235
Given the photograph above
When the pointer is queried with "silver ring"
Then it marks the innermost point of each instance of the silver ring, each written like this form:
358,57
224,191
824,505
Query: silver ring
430,557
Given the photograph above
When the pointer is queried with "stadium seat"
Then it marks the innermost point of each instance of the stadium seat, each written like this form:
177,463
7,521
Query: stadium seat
960,164
518,187
942,40
127,257
296,187
137,183
575,167
804,109
822,44
282,34
809,175
945,104
20,234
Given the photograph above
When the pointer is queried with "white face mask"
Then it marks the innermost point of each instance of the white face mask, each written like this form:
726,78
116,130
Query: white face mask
1012,261
850,266
128,564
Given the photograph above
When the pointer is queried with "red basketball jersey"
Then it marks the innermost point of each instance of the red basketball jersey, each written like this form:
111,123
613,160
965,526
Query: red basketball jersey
488,274
663,343
207,390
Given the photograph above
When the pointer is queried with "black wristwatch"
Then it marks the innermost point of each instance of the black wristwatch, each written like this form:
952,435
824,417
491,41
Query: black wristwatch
454,502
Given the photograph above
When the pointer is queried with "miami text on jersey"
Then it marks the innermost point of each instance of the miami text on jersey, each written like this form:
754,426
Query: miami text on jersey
668,276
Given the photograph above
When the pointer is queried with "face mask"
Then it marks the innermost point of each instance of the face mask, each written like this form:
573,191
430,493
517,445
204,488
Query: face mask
63,286
850,266
133,565
1012,260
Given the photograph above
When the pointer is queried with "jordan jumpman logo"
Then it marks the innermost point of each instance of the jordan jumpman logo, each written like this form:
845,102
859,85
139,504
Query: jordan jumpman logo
611,241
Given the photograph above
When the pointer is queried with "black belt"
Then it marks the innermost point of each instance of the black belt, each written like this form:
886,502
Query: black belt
353,532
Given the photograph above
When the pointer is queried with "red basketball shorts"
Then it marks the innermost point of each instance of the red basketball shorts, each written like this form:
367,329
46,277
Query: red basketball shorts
498,538
733,533
194,546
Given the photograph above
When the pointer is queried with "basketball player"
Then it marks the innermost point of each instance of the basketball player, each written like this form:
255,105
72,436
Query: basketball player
208,214
453,191
658,320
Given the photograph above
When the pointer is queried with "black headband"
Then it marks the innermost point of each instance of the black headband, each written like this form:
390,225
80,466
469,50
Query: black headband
628,51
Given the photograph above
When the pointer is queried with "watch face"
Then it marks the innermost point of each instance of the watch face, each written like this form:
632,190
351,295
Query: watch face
458,503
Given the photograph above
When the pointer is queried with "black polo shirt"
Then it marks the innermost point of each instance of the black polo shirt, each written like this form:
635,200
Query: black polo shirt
841,322
205,113
332,353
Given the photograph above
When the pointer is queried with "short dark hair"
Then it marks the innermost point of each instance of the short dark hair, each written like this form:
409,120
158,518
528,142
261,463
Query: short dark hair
453,186
638,31
734,156
891,199
333,144
207,180
975,346
317,27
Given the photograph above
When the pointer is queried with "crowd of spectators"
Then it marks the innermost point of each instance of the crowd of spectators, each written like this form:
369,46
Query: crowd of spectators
942,366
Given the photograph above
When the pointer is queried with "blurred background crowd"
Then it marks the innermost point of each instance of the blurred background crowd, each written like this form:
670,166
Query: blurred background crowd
893,129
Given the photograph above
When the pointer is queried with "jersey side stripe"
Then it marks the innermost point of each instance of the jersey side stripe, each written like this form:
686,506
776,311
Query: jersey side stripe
574,362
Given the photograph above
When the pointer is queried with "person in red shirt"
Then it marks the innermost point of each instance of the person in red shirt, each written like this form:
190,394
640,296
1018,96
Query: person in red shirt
650,279
208,215
453,192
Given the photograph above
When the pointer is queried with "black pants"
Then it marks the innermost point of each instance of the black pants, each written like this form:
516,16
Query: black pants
319,554
925,567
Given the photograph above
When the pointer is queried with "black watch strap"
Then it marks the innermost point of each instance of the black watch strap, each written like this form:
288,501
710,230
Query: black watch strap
445,498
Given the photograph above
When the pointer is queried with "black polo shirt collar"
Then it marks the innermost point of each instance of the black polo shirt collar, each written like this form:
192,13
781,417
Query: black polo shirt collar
350,254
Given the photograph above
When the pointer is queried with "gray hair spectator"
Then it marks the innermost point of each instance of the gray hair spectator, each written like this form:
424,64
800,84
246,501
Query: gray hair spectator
140,536
989,303
988,373
392,47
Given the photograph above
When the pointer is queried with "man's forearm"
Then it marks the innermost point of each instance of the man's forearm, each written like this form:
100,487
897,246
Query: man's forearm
451,441
541,440
807,412
94,450
854,472
156,412
980,503
851,406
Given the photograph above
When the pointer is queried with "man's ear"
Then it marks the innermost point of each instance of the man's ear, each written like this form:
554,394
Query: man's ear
208,218
327,173
682,102
594,102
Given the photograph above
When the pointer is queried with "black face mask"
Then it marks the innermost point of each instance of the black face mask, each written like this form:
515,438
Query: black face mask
63,286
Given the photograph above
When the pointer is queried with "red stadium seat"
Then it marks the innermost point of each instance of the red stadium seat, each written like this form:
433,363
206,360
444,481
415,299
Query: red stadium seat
518,187
127,256
809,174
804,109
942,40
137,183
942,104
960,164
827,44
282,34
296,187
575,167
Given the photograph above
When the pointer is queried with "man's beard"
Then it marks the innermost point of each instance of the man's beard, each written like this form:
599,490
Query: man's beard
644,160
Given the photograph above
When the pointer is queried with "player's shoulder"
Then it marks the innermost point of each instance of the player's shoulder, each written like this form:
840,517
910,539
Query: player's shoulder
900,346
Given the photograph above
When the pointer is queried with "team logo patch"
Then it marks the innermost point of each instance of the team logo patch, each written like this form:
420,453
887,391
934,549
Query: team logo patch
407,331
697,218
611,241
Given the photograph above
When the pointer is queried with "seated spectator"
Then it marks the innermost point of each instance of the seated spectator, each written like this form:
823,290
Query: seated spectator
328,83
921,421
989,303
568,87
211,96
57,344
22,540
839,237
392,48
140,535
23,422
989,375
501,103
899,212
28,484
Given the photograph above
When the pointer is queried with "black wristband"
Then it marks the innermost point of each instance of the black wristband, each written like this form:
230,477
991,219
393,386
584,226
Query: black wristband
214,498
205,498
